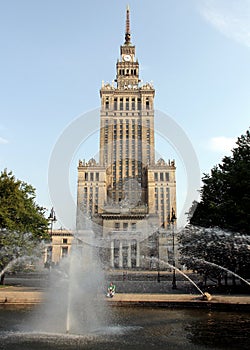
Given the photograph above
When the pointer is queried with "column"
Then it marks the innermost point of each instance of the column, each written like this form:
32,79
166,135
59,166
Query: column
45,254
129,254
120,255
112,253
137,254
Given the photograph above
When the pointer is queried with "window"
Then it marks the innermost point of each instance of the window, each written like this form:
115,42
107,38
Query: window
133,103
139,130
117,226
161,177
86,176
97,176
107,103
156,176
156,205
127,104
115,103
147,103
91,176
133,226
139,104
65,241
64,252
167,176
125,226
121,104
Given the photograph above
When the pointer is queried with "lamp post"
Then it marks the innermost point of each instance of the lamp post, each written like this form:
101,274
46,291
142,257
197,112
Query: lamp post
52,219
172,221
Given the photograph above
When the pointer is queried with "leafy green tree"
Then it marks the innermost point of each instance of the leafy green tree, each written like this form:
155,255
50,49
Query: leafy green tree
219,224
22,222
18,210
225,195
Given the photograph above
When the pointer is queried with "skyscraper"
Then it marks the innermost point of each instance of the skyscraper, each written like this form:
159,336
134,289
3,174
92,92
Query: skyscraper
126,197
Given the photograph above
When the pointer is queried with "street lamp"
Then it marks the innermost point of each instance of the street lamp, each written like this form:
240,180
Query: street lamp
172,221
52,219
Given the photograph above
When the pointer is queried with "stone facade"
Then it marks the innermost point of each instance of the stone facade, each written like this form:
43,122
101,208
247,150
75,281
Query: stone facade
59,247
127,198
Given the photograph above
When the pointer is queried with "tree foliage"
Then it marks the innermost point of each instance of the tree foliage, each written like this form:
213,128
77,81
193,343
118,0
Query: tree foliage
22,222
18,210
218,233
225,195
202,249
18,247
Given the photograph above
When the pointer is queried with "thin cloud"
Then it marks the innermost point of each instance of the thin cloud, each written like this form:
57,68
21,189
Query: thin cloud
3,141
222,144
230,17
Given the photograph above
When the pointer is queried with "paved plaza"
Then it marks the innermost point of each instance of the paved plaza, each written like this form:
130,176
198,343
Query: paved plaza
147,289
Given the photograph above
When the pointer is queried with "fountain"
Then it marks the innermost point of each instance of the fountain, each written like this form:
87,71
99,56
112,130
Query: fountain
13,262
17,250
75,315
222,268
136,328
75,302
76,318
204,295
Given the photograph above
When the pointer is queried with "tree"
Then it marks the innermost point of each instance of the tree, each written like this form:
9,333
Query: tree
212,251
225,195
17,248
218,233
22,222
18,210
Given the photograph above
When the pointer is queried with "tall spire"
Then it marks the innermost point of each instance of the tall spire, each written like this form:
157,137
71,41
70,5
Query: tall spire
127,33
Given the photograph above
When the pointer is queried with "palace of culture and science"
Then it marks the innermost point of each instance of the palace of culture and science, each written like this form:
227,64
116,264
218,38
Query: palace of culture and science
127,198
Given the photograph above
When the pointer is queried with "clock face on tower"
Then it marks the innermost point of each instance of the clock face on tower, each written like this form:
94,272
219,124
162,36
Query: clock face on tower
127,58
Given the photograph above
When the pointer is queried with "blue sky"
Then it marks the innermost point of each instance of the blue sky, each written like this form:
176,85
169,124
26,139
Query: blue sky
55,53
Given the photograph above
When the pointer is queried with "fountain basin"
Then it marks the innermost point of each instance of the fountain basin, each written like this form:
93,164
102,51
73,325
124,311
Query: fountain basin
134,329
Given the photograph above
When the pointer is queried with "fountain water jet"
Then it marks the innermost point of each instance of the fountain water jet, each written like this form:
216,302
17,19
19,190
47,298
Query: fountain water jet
75,303
222,268
15,261
181,272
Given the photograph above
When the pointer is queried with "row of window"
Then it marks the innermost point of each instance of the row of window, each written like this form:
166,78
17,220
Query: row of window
93,176
90,199
124,226
128,72
160,176
124,242
127,122
127,103
162,204
122,114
